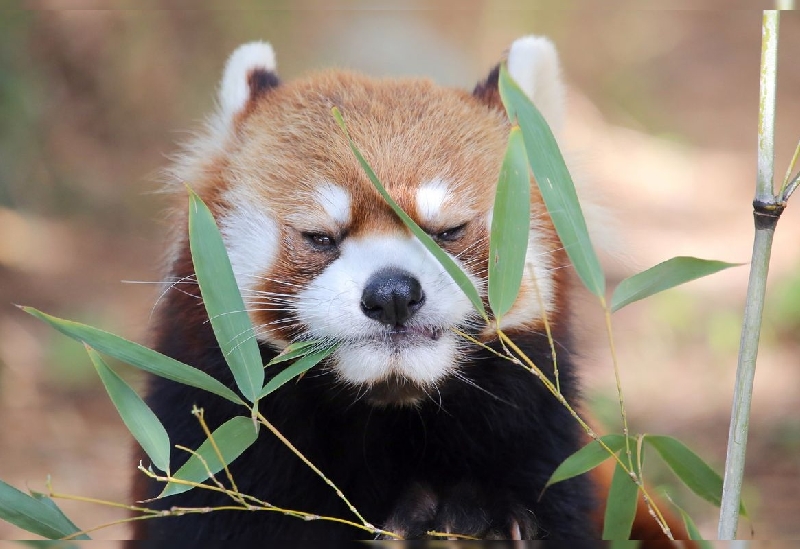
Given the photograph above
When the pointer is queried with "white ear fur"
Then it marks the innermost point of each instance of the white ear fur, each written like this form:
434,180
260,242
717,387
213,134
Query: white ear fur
234,90
533,64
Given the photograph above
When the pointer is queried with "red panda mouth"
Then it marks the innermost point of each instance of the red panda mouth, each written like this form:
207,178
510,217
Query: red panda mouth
411,334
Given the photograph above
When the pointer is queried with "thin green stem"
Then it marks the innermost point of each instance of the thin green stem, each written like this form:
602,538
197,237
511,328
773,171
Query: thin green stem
198,413
257,505
265,422
620,395
126,520
789,184
547,329
83,499
202,460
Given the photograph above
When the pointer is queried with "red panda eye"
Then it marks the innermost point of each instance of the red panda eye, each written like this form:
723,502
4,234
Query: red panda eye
452,234
320,241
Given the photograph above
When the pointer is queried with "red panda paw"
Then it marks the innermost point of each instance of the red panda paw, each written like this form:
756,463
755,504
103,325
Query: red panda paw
463,510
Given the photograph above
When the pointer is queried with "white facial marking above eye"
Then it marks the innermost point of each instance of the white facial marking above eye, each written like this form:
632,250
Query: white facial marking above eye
430,198
335,201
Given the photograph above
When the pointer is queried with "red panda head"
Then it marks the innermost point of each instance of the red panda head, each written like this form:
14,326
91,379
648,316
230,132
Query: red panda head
316,251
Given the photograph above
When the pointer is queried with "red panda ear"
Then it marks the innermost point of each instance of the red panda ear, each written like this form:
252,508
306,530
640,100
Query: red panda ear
533,64
249,73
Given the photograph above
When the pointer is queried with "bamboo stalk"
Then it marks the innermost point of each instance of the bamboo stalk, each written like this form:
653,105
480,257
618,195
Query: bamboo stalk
766,212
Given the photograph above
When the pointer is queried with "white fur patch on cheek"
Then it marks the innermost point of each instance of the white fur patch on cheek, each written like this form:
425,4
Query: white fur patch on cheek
234,90
251,238
430,198
335,201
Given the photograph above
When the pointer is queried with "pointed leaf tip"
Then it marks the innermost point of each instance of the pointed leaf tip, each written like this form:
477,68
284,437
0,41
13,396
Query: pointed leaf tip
137,416
136,355
587,458
665,275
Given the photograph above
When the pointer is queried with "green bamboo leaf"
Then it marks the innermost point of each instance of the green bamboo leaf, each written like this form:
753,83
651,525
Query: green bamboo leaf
232,438
511,226
664,276
34,515
223,302
302,365
45,500
690,468
460,278
691,528
621,504
137,416
587,458
295,350
47,544
554,182
136,355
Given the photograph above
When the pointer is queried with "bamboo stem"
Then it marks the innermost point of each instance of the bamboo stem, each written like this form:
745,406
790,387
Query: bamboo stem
766,213
766,107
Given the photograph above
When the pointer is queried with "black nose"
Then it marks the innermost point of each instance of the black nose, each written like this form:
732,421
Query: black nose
392,296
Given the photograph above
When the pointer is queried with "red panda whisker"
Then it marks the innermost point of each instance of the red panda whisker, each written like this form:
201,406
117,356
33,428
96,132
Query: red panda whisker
282,321
281,303
262,291
265,306
554,269
278,298
266,300
226,313
173,286
240,343
475,244
437,403
551,251
464,379
266,309
275,280
361,392
160,282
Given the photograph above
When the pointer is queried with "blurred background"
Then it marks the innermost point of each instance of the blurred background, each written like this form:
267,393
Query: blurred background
662,121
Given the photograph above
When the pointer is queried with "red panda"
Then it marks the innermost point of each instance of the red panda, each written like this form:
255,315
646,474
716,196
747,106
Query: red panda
421,429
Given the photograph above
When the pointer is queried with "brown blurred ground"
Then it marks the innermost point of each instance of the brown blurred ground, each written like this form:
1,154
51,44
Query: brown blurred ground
662,121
